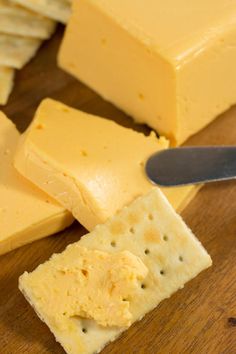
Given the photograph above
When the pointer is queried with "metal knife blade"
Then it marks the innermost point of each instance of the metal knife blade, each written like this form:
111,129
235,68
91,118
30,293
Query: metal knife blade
192,165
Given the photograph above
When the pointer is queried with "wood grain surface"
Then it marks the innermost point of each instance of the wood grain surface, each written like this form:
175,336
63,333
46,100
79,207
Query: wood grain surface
195,319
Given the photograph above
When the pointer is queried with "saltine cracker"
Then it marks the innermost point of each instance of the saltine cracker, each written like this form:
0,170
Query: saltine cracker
151,230
58,10
19,21
6,83
16,51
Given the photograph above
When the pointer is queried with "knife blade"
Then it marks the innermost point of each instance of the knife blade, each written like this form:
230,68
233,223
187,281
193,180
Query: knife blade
192,165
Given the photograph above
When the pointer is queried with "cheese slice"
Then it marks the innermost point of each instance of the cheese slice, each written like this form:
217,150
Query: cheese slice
6,83
26,213
91,165
148,229
169,64
19,21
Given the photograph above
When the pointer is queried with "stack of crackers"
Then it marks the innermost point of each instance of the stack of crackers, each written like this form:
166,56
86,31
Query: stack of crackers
24,24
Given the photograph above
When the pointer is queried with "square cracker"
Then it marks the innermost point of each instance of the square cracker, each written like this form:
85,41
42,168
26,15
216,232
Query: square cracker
150,229
58,10
6,83
16,51
19,21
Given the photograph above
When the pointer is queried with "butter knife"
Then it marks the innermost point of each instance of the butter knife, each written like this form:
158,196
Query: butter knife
192,165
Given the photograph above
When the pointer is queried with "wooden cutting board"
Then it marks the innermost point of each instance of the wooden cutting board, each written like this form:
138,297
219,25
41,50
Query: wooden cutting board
195,319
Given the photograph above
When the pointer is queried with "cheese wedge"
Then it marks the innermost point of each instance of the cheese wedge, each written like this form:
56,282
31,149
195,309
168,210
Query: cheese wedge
26,213
170,64
148,229
6,83
91,165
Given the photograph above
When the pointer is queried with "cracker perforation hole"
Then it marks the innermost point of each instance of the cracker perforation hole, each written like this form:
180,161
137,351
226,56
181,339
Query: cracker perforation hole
165,238
162,272
113,244
84,330
150,216
181,259
143,286
131,230
84,272
147,251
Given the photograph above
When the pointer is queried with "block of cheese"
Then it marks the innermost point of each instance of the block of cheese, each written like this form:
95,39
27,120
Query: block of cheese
6,83
91,165
26,213
148,229
170,64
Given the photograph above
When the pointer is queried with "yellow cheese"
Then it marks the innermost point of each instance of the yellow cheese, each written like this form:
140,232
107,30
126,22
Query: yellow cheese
91,165
150,230
90,284
26,213
170,64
